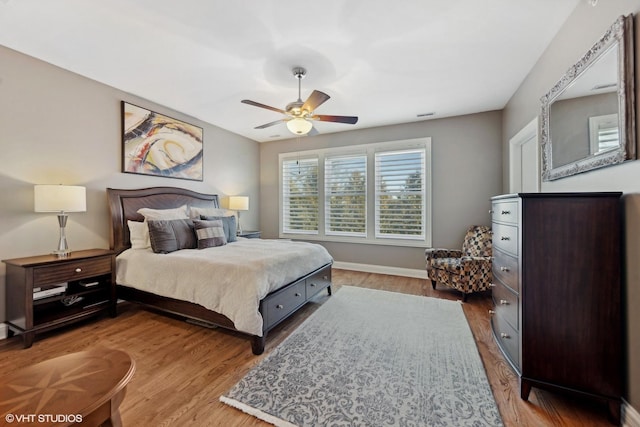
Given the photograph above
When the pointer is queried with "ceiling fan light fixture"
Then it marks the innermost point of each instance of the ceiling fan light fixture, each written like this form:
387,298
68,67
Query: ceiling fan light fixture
299,126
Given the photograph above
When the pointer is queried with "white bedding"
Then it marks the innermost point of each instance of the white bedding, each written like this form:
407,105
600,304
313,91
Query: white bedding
229,279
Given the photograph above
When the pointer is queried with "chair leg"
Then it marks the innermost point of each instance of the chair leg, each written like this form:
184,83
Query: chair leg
433,284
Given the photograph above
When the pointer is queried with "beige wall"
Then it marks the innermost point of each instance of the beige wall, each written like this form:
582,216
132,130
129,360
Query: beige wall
466,172
581,30
58,127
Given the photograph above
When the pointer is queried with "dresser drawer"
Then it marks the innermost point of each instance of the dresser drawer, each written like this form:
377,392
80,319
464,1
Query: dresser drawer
505,212
505,268
72,270
508,339
505,238
505,304
317,282
281,304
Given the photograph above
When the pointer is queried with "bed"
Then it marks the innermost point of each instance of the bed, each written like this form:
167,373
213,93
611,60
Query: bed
283,283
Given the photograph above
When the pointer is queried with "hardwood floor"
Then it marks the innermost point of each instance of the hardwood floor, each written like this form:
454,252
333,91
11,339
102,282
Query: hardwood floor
182,369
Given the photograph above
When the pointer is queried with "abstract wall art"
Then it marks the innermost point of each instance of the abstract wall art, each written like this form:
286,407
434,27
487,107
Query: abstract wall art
155,144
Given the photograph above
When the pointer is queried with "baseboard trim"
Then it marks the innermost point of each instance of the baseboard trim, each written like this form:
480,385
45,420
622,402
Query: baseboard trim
381,269
4,331
630,417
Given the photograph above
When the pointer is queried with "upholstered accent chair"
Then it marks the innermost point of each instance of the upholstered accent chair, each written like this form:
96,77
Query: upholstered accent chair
467,270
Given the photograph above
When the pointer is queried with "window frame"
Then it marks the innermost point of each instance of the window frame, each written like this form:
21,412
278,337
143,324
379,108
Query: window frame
369,150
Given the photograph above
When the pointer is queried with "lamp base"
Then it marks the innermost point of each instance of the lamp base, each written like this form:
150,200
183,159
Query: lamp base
63,249
62,254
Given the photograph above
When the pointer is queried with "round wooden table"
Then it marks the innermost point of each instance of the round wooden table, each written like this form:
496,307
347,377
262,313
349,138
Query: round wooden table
84,388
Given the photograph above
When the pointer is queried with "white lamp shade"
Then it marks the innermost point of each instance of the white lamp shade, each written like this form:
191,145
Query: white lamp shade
59,198
239,203
299,126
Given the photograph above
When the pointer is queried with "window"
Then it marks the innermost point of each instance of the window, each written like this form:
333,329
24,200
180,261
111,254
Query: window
300,196
400,194
375,193
345,183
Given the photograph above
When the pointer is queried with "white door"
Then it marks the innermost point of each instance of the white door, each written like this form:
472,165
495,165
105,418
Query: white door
524,163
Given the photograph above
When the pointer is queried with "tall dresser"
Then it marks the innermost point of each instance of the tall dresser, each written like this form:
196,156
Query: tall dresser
557,291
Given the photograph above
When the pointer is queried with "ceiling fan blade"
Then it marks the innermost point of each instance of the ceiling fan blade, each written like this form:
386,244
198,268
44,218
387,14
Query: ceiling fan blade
266,125
314,100
352,120
257,104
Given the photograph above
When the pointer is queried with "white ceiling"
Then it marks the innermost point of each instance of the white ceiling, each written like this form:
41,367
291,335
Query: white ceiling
384,61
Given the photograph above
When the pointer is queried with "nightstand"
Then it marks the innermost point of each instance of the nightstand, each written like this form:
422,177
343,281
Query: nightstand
46,292
250,234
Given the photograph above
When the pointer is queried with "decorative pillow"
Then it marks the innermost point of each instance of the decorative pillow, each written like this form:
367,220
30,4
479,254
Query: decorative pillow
195,212
139,235
175,213
228,223
209,233
170,235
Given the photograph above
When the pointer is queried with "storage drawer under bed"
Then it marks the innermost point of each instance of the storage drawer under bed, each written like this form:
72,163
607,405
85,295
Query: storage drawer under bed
279,305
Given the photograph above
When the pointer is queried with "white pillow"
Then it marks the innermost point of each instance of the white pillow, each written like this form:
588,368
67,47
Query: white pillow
143,239
139,235
176,213
195,212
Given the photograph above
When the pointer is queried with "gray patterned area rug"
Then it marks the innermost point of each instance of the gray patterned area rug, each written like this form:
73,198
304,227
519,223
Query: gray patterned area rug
372,358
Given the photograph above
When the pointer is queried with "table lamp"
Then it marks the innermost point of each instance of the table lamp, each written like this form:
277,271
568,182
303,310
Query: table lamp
239,203
61,199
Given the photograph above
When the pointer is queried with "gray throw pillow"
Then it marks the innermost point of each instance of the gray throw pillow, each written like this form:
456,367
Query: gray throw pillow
209,233
229,224
171,235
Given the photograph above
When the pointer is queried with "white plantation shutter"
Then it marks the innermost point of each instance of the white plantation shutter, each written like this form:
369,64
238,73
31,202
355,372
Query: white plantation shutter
608,138
300,196
345,190
400,194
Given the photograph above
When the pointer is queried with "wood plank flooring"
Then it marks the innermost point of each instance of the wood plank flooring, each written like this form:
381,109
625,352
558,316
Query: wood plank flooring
182,369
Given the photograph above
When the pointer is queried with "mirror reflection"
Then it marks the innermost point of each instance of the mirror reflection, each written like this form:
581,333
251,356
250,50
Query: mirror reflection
577,115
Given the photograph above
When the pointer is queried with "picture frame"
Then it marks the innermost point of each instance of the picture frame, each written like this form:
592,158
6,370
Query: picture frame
158,145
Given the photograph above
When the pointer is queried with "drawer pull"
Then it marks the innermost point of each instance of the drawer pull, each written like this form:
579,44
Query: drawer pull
279,306
504,268
506,212
490,211
505,336
313,285
78,270
504,302
505,238
298,294
325,277
492,312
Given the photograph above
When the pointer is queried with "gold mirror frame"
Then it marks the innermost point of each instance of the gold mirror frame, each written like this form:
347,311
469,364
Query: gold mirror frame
620,33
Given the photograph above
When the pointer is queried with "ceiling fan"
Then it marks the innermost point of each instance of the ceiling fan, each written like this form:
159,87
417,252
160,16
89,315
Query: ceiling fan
300,114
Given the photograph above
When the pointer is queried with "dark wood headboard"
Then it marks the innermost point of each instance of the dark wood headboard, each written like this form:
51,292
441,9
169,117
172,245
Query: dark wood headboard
124,205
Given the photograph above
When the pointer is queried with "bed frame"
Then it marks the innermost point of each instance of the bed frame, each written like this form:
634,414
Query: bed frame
274,308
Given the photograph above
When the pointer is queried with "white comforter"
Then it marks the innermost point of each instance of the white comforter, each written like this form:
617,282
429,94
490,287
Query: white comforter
229,279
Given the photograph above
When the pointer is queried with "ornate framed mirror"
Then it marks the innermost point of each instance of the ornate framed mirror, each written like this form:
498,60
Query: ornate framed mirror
588,117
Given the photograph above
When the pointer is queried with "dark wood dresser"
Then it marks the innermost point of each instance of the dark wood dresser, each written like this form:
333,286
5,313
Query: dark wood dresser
557,292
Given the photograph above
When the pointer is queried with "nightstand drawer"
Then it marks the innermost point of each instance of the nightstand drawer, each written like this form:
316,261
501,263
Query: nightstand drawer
72,270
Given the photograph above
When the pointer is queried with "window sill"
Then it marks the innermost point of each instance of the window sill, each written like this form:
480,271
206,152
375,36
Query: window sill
359,241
